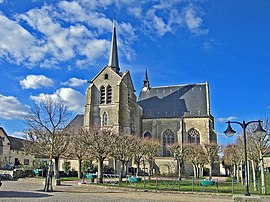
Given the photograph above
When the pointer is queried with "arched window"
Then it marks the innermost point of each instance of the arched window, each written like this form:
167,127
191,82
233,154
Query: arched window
109,94
105,119
193,136
106,76
102,95
168,138
147,134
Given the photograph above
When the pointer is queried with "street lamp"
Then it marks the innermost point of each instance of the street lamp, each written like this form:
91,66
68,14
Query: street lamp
229,132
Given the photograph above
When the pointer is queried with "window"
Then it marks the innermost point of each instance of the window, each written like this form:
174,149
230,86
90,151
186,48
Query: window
168,138
105,119
102,95
193,136
106,76
26,161
109,94
147,134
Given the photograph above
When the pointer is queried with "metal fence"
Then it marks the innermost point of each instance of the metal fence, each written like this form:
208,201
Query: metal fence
157,183
192,185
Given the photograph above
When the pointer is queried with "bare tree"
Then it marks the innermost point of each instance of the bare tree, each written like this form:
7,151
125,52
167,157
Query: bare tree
179,152
152,146
99,142
123,148
140,146
233,157
45,121
196,157
258,144
211,151
77,147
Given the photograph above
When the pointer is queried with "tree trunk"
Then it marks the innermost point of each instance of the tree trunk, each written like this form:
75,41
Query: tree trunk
254,175
57,175
210,171
201,171
237,173
114,165
48,182
138,168
80,174
179,169
126,168
122,170
248,170
263,176
100,170
151,168
194,171
234,172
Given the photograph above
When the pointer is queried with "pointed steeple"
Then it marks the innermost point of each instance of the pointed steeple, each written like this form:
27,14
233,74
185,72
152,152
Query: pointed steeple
146,83
113,61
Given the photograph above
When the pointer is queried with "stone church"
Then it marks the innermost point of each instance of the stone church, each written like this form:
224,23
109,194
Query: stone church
172,114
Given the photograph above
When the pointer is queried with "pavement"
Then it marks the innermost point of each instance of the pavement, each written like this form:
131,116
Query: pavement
31,190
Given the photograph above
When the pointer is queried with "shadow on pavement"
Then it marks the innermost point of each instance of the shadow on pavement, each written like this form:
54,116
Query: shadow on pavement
19,194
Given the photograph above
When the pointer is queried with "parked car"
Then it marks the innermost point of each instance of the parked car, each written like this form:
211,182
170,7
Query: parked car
1,175
11,166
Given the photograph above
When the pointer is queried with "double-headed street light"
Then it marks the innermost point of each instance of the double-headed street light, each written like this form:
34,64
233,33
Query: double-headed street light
229,132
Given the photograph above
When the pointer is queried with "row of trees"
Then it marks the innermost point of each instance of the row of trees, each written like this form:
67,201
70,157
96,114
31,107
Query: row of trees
47,138
198,155
257,148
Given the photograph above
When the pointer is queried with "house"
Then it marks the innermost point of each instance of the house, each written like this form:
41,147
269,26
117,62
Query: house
12,152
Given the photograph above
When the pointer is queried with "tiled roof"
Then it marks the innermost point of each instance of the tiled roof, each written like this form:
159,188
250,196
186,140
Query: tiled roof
174,101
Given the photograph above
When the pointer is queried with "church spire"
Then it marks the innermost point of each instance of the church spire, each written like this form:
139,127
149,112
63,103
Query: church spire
146,83
113,61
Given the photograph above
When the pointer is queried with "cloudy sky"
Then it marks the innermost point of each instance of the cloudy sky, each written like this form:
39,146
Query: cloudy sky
51,48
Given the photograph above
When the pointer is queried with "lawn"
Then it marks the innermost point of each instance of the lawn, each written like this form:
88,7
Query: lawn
185,185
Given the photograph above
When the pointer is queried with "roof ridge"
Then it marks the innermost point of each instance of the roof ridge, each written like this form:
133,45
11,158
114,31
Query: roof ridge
197,84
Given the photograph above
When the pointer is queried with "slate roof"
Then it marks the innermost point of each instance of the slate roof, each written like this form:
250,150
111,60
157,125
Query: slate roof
16,143
76,122
188,100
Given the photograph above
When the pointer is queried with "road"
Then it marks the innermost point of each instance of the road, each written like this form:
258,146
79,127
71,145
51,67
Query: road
31,190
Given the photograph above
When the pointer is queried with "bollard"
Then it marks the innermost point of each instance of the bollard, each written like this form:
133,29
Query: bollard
193,184
156,183
178,183
217,185
232,186
144,182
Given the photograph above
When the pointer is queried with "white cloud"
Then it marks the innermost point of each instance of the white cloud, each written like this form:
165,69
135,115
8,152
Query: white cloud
77,31
73,82
73,99
193,21
36,81
11,108
222,120
18,134
2,1
16,43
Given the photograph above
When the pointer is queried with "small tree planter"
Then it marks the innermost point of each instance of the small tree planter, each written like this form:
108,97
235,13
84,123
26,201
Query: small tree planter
133,179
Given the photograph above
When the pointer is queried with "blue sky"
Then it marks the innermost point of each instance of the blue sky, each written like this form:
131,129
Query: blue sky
52,48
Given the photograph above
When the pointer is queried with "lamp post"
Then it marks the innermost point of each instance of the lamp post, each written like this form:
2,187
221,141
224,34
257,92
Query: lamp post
229,132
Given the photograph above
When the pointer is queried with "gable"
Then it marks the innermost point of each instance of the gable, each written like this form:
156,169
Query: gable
3,135
100,77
